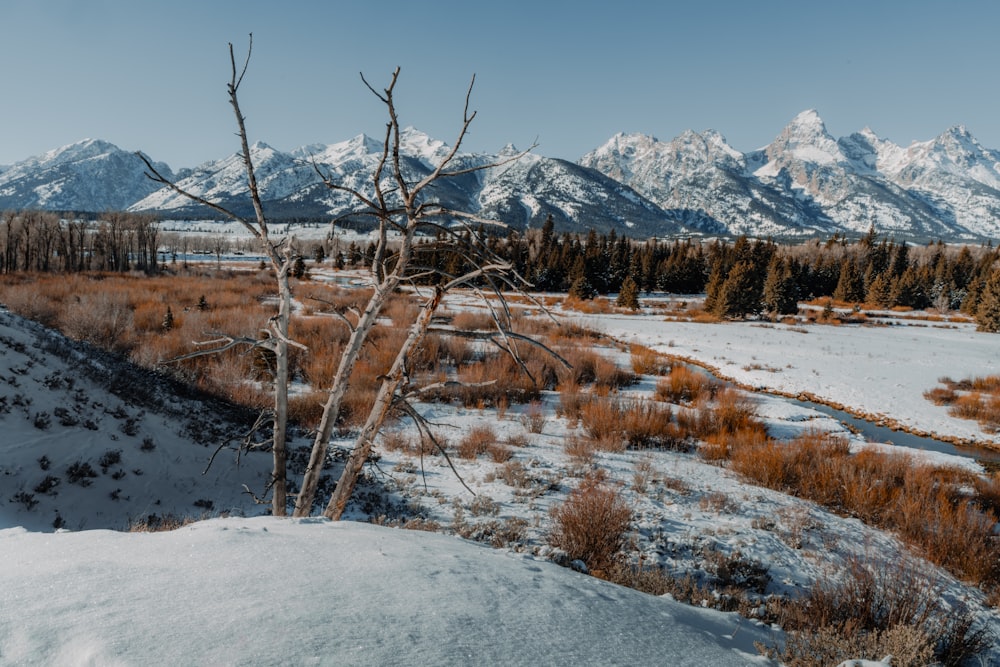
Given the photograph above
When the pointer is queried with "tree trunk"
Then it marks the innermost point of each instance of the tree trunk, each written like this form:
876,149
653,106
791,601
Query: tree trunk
383,404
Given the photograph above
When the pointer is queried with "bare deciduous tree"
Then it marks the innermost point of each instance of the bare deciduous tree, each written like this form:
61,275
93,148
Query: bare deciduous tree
279,253
403,208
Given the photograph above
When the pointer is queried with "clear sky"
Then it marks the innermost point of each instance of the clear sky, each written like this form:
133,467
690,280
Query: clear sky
151,75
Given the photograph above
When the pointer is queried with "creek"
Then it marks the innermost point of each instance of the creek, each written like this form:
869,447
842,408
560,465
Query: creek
873,432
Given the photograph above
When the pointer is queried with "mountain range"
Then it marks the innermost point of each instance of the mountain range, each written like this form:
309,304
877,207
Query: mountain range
805,183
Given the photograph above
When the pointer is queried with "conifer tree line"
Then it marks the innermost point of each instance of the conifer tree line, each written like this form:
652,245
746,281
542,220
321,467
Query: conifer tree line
745,277
749,277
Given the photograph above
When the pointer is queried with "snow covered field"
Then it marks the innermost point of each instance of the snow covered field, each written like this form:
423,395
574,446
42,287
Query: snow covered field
880,371
209,593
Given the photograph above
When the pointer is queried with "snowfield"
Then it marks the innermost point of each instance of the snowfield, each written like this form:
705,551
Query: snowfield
881,371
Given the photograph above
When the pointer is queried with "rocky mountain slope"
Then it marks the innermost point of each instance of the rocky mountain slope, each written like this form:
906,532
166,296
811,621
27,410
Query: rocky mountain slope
805,183
90,175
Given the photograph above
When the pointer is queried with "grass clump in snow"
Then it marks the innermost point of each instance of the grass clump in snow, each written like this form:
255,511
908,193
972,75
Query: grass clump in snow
947,514
874,609
591,525
976,398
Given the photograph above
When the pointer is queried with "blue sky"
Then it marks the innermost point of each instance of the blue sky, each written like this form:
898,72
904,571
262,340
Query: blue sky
151,75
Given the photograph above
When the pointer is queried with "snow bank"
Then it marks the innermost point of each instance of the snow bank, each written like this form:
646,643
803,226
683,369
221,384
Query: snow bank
309,592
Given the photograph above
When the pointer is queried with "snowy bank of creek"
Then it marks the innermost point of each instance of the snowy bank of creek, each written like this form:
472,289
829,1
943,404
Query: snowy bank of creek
870,429
871,376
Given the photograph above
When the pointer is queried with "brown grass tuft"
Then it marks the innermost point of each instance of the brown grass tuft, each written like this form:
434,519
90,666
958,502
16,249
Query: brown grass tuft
591,525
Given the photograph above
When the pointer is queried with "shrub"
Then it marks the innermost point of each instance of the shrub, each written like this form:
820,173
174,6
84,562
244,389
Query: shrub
153,523
478,441
110,458
591,525
47,485
24,498
649,425
683,385
42,421
533,417
589,367
647,362
500,453
737,571
941,395
875,609
580,450
80,473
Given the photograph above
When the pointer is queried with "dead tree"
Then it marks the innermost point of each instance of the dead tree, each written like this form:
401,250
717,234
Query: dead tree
402,203
279,254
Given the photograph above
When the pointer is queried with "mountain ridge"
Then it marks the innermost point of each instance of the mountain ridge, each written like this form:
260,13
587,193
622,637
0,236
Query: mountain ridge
805,183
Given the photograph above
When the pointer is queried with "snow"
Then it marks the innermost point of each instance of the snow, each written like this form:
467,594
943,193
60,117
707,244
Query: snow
268,591
876,370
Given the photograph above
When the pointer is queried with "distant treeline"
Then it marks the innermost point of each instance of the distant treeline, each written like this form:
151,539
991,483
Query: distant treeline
748,277
740,278
42,241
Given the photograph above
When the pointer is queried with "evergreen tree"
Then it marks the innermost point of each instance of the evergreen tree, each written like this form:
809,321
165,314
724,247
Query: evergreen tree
548,232
320,254
168,320
988,312
850,284
781,290
628,297
299,268
908,290
581,289
740,294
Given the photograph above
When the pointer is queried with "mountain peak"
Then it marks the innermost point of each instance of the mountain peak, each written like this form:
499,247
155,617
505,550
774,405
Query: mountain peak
807,117
805,139
420,144
807,123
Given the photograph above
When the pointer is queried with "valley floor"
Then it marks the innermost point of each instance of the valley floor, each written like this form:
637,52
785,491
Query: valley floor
689,516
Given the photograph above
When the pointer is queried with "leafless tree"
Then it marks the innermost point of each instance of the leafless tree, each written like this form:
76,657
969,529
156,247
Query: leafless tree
278,252
401,202
402,206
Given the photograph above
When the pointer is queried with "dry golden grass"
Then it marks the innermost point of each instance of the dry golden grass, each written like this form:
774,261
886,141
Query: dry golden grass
581,450
125,312
473,321
941,395
648,362
947,515
875,609
683,385
478,441
597,305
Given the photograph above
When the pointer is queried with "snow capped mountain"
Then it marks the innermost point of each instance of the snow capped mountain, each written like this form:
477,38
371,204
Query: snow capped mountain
577,197
279,175
90,175
703,182
803,184
807,182
521,193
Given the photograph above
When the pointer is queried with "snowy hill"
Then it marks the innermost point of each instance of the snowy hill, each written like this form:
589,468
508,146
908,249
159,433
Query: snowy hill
347,593
92,442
